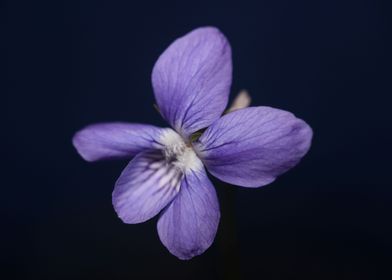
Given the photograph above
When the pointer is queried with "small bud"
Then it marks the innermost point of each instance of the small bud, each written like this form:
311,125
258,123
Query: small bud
241,101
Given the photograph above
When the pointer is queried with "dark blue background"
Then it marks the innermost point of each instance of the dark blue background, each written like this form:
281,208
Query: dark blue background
75,63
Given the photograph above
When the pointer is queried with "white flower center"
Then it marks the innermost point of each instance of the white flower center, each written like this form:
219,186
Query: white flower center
178,153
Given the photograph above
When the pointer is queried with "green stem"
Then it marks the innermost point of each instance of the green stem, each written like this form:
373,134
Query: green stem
229,262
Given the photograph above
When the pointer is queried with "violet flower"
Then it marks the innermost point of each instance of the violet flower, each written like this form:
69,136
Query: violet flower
248,147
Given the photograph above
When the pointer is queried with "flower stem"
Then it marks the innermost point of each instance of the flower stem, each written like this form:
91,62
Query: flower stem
229,261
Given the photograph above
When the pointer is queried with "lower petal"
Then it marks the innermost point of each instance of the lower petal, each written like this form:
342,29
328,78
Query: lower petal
187,227
145,187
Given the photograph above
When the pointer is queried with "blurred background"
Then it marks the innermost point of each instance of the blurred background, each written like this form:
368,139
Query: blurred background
74,63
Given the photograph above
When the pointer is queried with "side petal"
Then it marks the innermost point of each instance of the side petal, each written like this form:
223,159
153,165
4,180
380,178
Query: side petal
115,140
192,80
145,187
187,227
252,146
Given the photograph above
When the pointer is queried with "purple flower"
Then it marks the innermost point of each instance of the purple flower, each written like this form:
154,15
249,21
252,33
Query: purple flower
248,147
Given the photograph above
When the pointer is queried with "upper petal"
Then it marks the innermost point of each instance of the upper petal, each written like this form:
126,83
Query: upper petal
192,79
252,146
187,227
145,187
115,140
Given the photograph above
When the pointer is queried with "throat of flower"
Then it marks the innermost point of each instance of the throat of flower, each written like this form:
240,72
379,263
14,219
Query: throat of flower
179,153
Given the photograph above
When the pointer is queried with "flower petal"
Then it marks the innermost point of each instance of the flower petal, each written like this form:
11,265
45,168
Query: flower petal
115,140
192,79
252,146
145,187
187,227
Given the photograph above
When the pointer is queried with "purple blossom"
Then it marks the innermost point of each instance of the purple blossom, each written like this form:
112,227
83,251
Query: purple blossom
248,147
